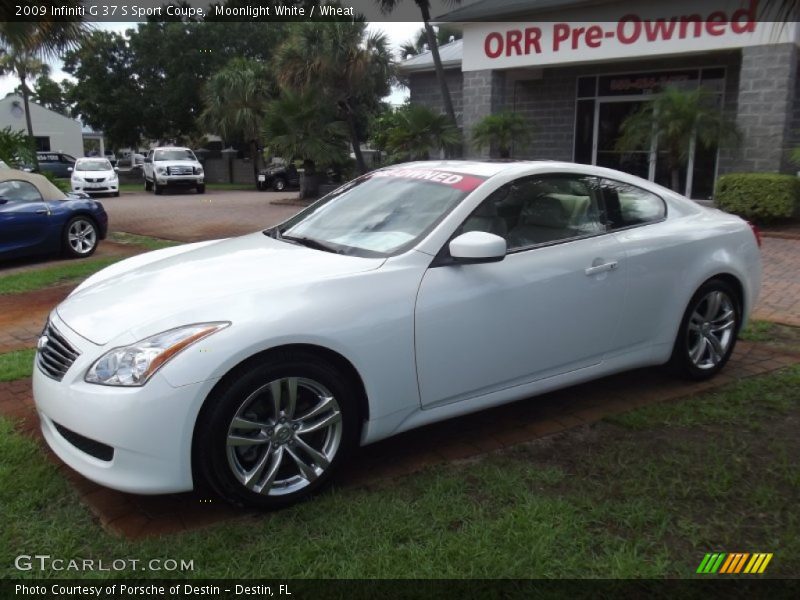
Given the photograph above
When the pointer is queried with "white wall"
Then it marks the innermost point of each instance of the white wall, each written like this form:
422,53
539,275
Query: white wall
64,133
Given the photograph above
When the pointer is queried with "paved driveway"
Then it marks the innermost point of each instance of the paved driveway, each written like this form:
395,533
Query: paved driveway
191,217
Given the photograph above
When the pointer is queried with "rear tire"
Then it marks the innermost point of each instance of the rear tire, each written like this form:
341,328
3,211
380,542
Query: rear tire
271,404
279,184
708,330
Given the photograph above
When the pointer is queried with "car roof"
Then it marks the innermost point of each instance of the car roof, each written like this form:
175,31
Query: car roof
40,182
173,148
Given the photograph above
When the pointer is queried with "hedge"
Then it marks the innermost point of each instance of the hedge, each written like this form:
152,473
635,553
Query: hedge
759,196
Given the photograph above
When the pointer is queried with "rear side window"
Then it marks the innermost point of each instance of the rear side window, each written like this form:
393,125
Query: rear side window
627,205
19,191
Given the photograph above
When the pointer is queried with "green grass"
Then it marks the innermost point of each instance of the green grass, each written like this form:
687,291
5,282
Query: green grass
250,187
644,496
757,331
16,365
35,279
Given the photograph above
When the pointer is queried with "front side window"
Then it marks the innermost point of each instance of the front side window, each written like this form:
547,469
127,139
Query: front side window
382,213
19,191
628,205
542,209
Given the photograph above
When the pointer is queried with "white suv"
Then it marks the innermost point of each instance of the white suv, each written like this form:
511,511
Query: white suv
165,167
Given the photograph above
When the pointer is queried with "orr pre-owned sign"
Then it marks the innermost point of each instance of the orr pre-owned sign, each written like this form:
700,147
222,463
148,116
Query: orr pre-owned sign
621,30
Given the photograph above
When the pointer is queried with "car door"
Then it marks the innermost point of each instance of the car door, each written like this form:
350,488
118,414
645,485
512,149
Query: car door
148,165
66,164
552,305
24,217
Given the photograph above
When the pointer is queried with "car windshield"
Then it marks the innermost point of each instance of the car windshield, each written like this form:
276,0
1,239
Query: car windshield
380,214
177,154
93,165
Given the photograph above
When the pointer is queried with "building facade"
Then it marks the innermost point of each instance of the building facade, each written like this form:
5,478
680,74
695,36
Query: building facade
52,131
577,69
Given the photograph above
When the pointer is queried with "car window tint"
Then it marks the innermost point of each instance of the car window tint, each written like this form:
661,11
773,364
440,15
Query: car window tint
628,205
539,210
20,191
67,158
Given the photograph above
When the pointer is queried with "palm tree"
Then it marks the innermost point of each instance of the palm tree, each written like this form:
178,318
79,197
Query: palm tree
15,147
301,126
418,131
676,119
387,6
341,61
502,131
420,42
25,66
236,99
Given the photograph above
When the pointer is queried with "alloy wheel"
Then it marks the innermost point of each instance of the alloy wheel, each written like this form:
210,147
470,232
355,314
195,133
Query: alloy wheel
711,330
82,236
284,436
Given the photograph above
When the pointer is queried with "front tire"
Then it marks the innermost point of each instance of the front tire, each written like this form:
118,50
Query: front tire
148,185
80,237
708,331
157,189
201,189
276,433
279,184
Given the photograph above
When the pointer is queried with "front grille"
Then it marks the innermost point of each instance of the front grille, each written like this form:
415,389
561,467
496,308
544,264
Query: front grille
55,354
91,447
95,179
180,171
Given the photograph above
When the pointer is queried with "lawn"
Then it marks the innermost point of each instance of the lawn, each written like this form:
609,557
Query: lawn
645,494
74,271
16,365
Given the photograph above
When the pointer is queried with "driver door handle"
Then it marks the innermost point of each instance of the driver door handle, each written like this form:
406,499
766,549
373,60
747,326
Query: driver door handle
609,266
41,211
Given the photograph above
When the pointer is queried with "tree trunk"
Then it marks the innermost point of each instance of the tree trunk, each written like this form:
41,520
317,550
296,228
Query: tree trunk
254,147
505,152
28,122
309,183
437,62
351,124
675,177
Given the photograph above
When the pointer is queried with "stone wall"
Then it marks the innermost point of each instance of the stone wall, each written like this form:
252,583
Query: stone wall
424,89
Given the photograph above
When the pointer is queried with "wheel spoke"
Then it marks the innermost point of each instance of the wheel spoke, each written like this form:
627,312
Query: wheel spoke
272,472
291,384
325,403
713,301
239,440
240,423
275,389
332,418
306,470
699,349
319,459
715,348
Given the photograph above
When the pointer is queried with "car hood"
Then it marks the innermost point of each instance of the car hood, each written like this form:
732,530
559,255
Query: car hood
177,163
158,290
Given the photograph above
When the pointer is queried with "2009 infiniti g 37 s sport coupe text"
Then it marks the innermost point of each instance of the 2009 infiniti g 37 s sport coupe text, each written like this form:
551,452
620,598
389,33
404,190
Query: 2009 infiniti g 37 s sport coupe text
412,294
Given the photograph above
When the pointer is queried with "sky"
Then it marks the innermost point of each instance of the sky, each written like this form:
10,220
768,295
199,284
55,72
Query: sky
398,33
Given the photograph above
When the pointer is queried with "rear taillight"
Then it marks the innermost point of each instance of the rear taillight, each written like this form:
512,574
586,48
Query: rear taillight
756,233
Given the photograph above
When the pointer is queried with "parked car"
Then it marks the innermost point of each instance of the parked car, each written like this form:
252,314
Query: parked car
57,163
176,167
112,158
278,178
37,218
94,176
412,294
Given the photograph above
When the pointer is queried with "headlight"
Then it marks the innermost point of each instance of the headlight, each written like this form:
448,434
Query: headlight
133,365
198,170
161,170
77,178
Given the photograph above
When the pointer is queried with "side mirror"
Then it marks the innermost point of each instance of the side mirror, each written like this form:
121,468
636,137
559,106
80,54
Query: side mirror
69,169
116,169
477,247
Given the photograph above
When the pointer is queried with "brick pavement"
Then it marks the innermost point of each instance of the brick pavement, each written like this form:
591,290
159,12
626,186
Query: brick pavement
135,516
780,288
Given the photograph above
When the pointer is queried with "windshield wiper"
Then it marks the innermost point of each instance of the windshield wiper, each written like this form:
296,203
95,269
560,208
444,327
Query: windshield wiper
311,243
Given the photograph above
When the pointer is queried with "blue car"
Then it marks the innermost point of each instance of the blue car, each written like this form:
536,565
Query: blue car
38,218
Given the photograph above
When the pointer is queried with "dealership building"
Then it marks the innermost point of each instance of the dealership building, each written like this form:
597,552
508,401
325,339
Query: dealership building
576,69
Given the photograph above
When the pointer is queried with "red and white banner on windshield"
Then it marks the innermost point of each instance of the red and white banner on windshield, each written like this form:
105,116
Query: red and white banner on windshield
459,181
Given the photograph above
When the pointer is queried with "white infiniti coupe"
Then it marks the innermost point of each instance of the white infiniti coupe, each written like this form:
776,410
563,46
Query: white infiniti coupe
410,295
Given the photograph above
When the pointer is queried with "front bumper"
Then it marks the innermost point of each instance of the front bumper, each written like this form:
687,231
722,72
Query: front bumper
149,429
105,187
180,180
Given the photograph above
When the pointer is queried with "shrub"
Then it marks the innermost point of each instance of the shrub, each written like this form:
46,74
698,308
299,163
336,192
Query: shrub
62,184
759,196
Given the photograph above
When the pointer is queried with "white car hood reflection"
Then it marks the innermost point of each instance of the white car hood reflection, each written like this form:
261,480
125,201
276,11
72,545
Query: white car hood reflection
206,275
